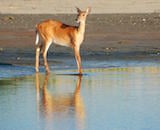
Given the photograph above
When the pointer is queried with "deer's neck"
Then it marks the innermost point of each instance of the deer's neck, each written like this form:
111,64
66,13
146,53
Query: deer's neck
81,28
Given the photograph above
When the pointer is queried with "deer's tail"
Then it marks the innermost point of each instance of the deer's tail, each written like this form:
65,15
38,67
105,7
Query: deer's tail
37,37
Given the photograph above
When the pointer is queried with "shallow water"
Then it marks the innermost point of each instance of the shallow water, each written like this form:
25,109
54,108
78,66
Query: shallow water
110,98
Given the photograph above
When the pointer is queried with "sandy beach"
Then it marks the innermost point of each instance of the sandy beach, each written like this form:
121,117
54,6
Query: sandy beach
114,30
108,36
67,6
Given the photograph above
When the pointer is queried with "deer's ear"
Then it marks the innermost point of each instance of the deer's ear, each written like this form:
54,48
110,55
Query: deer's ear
78,10
88,10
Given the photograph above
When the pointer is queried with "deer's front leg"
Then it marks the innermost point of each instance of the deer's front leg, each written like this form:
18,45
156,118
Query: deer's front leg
78,59
46,47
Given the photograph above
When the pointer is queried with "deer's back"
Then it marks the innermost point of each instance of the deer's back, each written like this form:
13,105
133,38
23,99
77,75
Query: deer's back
60,33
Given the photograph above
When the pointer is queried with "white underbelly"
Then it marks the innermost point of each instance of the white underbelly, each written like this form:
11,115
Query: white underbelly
62,43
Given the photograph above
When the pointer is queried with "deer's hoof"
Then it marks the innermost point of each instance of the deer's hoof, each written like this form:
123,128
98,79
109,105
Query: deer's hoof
48,71
37,70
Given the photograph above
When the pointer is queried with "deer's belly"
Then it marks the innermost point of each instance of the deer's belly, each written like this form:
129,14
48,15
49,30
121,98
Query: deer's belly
62,43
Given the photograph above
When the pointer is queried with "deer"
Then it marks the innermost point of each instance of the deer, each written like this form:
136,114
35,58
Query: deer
53,31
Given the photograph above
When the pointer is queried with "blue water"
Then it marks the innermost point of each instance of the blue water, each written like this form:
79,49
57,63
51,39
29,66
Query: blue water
12,71
112,98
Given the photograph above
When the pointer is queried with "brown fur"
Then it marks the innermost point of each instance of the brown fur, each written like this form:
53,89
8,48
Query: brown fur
61,34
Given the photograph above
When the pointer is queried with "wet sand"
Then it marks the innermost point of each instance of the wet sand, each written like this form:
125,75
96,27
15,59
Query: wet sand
108,36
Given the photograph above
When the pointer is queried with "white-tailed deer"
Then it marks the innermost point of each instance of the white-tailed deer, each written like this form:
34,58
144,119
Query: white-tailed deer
61,34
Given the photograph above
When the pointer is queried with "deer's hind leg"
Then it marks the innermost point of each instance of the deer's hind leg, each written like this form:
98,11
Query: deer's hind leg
38,48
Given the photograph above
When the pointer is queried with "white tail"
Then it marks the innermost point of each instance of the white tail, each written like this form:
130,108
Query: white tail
61,34
37,38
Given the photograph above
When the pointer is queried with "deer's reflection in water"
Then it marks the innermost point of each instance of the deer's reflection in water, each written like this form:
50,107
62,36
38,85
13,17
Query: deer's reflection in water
50,105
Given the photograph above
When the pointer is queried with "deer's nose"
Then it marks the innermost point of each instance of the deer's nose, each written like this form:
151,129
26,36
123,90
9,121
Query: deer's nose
77,20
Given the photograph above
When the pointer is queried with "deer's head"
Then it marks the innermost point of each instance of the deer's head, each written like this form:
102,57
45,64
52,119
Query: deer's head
82,15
